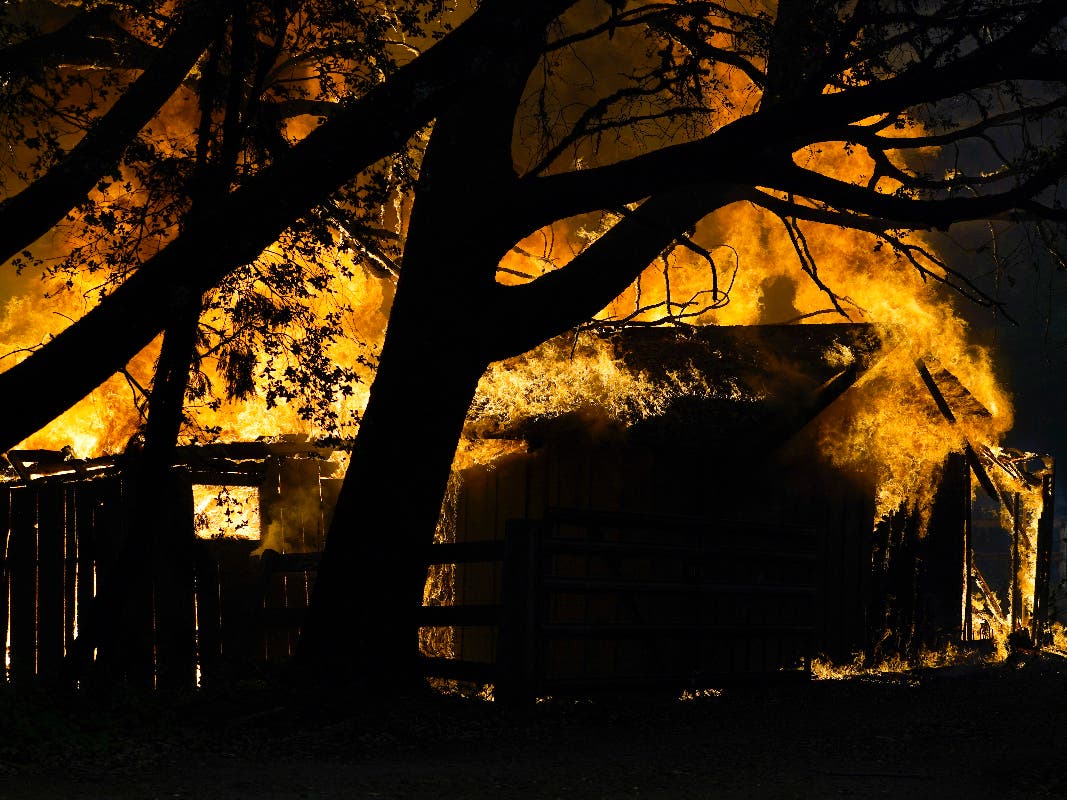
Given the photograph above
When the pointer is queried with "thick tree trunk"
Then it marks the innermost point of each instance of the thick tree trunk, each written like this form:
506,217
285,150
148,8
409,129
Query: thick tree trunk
361,625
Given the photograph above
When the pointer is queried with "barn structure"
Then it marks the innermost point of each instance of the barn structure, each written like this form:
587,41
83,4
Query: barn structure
713,541
706,543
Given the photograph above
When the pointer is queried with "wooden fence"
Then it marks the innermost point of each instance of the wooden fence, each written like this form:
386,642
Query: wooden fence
590,600
58,544
180,607
596,601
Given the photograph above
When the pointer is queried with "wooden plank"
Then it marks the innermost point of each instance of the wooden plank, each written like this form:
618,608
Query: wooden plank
569,686
593,585
70,564
836,567
271,513
218,478
51,541
440,616
282,620
125,570
108,533
208,616
606,477
329,491
457,669
5,560
174,587
1016,605
1041,630
519,657
85,503
681,522
536,485
240,602
653,550
273,561
23,582
275,596
465,552
635,493
667,631
276,535
301,502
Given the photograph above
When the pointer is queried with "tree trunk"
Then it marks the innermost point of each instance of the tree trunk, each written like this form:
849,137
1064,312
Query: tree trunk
360,624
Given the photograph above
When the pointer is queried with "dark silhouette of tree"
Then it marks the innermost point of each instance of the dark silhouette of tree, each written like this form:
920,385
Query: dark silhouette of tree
544,111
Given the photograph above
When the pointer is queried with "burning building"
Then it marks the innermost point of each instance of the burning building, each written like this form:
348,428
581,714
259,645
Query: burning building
817,551
708,516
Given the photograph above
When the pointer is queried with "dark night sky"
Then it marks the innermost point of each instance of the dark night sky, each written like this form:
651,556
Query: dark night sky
1031,357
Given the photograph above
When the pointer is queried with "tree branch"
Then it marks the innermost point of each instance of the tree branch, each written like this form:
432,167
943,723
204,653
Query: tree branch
32,212
235,230
549,305
89,39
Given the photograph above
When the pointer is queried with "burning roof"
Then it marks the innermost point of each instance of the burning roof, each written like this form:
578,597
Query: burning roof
698,386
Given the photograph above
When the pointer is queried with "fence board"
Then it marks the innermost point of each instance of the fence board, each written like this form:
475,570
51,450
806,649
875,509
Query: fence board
51,542
208,616
5,554
70,565
174,586
23,582
240,596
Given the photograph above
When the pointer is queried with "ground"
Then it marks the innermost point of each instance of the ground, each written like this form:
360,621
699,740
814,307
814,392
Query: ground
993,732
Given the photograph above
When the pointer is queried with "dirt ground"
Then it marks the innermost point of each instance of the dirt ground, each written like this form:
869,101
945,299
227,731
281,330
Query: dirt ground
993,732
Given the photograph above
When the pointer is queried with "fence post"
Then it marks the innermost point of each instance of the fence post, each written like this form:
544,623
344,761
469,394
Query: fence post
517,651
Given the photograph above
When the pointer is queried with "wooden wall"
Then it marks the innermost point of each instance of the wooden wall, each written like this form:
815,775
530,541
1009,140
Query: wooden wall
582,473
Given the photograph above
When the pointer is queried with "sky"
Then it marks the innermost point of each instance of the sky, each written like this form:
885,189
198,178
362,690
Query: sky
1031,356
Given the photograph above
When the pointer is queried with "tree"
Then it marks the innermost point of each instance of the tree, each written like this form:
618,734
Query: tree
828,73
656,145
234,229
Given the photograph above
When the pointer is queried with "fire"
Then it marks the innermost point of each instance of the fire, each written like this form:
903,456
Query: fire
582,374
759,282
226,512
1021,510
103,422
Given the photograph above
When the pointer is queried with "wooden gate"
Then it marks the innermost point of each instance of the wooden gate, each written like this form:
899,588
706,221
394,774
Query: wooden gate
595,600
604,600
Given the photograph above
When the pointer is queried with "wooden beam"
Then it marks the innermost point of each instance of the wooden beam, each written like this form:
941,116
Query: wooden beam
972,457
